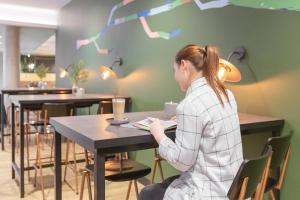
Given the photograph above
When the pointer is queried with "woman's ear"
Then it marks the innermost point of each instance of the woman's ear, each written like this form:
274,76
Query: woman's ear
183,65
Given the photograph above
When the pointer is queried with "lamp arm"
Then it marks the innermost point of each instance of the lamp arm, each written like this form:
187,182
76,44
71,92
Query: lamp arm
118,60
68,67
230,56
240,54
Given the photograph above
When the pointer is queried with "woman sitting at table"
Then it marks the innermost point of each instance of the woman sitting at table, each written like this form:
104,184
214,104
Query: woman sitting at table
208,148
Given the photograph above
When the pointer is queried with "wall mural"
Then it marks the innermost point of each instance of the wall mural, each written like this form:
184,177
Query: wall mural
171,5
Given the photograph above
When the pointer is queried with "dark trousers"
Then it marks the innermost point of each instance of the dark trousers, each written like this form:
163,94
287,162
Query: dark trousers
156,191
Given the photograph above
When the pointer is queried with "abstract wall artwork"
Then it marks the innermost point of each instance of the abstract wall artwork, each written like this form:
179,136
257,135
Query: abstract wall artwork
172,5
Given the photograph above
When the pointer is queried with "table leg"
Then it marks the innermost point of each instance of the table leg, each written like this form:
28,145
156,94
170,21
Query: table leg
99,175
13,139
21,125
2,122
57,164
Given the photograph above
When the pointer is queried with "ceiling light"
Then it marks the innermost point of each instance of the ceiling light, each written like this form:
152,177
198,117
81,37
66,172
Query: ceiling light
26,15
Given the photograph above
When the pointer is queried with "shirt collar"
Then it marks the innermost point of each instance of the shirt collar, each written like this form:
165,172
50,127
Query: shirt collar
196,84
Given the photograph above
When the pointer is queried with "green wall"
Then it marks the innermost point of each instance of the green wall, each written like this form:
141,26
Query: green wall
271,38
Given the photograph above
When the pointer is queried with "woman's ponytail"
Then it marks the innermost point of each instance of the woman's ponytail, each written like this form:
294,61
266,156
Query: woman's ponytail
210,71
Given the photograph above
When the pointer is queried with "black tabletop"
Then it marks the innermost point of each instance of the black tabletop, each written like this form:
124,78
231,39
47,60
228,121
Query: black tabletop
34,90
94,131
56,98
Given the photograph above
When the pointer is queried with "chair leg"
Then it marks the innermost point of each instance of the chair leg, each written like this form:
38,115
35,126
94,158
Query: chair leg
272,195
160,170
35,169
75,166
40,167
128,190
243,189
67,159
154,171
136,189
89,186
82,185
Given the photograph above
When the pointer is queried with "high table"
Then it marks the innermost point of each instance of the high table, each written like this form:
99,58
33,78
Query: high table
30,101
96,135
23,91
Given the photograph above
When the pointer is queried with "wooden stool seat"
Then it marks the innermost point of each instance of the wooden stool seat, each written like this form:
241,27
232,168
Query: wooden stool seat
137,171
38,123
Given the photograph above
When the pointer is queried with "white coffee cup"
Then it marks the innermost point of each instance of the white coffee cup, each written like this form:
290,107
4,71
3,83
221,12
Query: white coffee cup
170,109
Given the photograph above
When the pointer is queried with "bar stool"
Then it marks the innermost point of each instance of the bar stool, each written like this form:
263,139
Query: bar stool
281,148
251,178
36,123
130,171
49,110
73,167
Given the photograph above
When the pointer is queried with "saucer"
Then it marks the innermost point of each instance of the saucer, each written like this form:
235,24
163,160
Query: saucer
112,121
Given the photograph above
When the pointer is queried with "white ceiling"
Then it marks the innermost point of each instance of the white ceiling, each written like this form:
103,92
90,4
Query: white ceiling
46,4
33,13
38,21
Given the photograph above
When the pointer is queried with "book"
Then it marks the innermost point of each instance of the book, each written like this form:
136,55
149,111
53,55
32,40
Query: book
145,124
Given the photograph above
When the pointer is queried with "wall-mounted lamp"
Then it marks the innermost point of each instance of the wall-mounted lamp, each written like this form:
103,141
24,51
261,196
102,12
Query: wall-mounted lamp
229,72
108,72
63,72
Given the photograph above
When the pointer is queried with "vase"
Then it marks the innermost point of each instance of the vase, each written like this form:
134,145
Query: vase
42,84
75,88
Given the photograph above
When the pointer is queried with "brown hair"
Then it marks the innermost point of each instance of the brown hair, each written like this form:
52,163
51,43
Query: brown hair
207,60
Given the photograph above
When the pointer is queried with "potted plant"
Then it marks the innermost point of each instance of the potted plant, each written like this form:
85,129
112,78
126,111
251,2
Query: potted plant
78,74
41,71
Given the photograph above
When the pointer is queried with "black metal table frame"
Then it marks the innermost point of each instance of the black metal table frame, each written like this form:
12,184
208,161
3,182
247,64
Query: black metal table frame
99,154
17,92
19,170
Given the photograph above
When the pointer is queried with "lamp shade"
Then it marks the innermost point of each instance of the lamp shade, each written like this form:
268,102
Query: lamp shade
106,72
228,72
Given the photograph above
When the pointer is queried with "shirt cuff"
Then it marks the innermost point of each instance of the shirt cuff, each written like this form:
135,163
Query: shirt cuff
164,146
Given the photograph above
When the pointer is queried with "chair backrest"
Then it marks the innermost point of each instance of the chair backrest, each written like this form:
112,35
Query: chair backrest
84,105
106,107
57,109
280,146
253,170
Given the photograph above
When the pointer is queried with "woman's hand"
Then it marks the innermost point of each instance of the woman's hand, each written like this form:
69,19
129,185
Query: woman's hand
174,118
157,130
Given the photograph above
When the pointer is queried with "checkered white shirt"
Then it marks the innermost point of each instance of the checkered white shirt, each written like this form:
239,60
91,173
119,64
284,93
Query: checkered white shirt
208,147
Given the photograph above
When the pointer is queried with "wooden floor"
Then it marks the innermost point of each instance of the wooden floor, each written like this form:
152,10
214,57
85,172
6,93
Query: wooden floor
10,191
